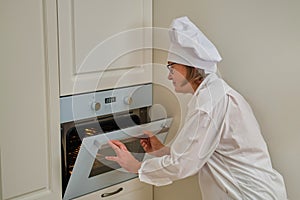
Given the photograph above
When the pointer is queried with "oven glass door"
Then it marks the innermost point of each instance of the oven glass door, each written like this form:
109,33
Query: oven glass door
102,166
93,172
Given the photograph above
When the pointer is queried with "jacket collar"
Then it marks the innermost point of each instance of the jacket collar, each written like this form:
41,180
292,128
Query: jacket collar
205,82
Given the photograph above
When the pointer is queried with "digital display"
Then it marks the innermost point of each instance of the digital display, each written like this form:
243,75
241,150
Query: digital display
110,99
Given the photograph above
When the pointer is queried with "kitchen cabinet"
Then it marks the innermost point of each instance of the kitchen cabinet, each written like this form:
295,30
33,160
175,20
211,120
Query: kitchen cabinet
129,190
29,81
104,44
42,46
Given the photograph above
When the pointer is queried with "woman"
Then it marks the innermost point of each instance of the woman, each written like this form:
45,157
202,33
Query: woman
220,140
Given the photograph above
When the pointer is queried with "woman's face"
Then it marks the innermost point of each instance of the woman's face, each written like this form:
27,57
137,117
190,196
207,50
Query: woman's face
177,75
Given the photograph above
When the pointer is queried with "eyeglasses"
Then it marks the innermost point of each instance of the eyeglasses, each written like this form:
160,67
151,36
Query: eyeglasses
170,68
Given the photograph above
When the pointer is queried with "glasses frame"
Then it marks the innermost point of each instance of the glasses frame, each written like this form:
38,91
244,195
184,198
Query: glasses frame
169,66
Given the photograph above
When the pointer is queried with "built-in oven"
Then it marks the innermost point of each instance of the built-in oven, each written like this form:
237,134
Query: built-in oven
89,121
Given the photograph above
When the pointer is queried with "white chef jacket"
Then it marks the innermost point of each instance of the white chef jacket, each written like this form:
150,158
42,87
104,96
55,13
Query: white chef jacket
222,143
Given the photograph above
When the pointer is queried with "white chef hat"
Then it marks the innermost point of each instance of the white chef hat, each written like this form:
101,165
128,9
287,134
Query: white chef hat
189,46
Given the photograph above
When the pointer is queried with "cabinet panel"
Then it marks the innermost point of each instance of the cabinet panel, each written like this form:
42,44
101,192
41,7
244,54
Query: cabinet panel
103,44
131,190
30,105
101,31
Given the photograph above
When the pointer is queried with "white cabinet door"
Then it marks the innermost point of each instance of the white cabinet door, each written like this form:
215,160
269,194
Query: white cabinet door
129,190
104,44
29,117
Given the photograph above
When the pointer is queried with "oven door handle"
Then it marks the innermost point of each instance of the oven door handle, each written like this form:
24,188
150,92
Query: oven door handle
111,193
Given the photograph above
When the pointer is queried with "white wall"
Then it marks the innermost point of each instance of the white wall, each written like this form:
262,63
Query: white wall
260,43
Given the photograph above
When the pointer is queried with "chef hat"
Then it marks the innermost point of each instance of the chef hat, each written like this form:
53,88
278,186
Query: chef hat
189,46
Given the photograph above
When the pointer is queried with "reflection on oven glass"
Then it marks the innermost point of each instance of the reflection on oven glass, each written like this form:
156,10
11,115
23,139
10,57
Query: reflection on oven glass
90,131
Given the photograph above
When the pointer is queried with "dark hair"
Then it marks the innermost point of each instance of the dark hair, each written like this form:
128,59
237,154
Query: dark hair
195,75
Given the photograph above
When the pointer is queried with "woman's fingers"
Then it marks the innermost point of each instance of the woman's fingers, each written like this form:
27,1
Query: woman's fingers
144,141
117,145
114,146
145,147
112,158
124,158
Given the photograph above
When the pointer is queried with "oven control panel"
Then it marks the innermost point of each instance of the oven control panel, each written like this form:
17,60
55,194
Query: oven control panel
88,105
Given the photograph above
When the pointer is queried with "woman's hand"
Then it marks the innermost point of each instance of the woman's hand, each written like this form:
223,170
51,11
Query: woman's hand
153,146
124,158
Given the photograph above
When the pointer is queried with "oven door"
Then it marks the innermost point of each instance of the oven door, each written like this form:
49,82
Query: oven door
93,172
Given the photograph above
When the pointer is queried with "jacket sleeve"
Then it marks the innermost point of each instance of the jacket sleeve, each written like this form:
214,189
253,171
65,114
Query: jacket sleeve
191,149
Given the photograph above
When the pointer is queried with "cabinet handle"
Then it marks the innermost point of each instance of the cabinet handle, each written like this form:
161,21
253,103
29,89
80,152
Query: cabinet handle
111,193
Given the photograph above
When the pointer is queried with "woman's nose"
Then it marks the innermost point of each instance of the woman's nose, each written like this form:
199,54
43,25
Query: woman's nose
170,77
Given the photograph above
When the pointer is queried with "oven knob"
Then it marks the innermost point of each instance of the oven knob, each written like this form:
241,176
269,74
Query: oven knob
128,100
96,106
